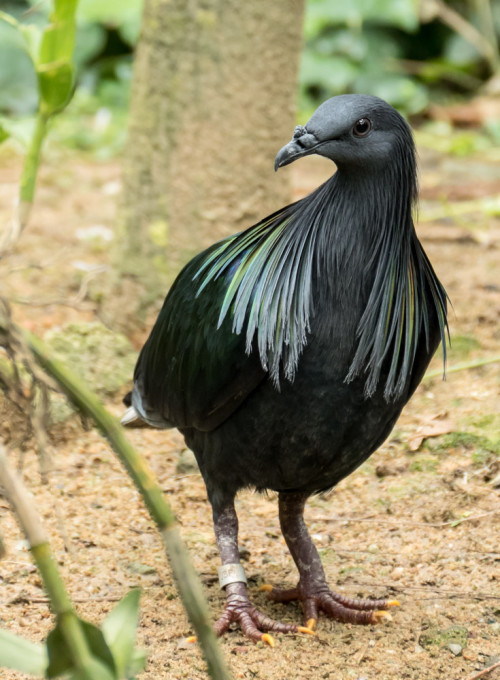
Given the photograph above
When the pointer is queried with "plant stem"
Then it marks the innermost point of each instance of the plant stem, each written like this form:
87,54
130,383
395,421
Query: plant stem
29,175
30,167
456,21
27,185
186,578
23,504
487,26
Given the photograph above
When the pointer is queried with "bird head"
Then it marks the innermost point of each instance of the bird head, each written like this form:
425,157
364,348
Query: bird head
358,131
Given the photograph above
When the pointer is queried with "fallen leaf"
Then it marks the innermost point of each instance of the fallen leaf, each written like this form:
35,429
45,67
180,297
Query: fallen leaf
434,428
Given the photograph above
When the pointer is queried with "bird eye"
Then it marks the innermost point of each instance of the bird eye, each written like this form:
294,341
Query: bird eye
362,127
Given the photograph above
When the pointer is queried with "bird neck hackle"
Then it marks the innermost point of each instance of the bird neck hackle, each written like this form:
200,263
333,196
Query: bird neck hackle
356,231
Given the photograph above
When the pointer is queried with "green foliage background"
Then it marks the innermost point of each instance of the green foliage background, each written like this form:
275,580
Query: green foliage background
399,50
395,49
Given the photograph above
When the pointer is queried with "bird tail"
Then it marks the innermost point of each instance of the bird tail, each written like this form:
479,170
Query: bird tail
139,415
132,419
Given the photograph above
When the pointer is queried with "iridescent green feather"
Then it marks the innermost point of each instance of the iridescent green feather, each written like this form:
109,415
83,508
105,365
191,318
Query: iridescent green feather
270,270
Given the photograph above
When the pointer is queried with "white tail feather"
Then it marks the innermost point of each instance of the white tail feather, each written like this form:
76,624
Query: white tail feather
130,417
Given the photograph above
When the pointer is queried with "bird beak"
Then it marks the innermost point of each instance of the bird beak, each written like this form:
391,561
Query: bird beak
303,144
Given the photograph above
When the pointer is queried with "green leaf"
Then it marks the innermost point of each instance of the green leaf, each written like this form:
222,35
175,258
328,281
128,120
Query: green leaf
9,19
65,10
19,129
58,42
30,33
137,663
90,41
61,660
323,13
54,65
110,13
18,85
22,655
4,134
32,38
56,87
94,670
120,628
121,15
333,74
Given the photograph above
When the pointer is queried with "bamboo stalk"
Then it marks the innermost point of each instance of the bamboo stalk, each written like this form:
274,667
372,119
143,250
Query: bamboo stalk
187,580
23,504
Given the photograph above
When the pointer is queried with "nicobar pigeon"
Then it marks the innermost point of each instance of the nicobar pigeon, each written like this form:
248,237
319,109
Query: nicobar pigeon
285,353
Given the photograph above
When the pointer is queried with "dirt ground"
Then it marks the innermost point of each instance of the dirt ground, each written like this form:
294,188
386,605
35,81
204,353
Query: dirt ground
418,522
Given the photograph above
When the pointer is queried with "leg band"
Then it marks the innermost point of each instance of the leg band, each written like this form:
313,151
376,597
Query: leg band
231,573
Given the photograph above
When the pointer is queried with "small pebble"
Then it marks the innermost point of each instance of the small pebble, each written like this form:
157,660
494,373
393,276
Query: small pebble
186,463
455,648
491,660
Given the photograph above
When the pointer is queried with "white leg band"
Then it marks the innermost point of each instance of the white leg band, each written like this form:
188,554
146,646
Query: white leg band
231,573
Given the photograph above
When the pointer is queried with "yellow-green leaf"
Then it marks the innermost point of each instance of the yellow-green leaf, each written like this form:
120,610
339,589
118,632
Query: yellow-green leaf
56,87
22,655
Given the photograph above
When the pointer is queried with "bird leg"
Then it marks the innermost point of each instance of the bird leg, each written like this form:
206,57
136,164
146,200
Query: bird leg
254,624
312,589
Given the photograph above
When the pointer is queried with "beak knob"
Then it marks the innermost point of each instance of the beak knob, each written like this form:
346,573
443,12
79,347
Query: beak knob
303,143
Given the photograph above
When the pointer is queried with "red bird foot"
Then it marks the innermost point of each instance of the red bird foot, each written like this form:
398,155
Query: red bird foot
254,624
338,607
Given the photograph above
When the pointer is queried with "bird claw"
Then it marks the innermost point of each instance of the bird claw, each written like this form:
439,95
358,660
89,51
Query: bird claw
346,610
381,617
306,629
311,624
265,588
254,624
267,639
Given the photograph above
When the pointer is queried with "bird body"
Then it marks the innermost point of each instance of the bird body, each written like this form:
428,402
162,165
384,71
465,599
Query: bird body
284,354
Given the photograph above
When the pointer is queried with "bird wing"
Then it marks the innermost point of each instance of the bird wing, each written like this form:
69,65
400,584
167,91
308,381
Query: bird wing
193,370
237,313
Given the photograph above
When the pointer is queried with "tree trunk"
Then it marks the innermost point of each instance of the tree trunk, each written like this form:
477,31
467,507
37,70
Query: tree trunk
213,100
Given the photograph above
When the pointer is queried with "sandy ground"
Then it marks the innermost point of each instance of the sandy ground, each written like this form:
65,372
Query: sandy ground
418,522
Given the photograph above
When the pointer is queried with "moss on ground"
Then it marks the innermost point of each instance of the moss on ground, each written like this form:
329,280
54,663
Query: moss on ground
103,359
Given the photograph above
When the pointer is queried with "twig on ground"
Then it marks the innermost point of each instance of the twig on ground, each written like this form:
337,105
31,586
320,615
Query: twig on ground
78,600
477,363
60,257
360,654
81,294
25,385
434,556
484,672
440,592
435,525
58,302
